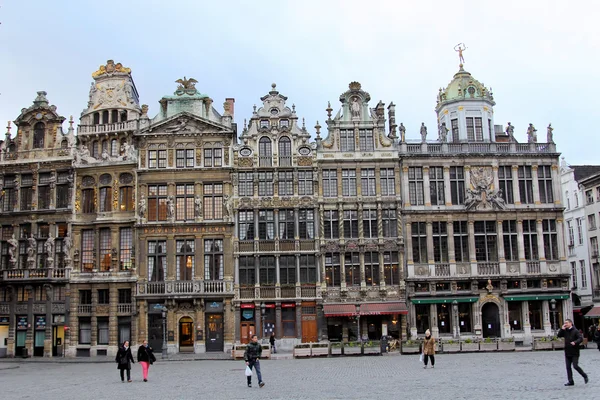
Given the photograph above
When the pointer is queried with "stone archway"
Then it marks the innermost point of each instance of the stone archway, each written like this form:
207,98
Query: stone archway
186,335
490,320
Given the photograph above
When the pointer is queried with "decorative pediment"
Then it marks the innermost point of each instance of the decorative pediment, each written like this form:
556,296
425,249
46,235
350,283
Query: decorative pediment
189,124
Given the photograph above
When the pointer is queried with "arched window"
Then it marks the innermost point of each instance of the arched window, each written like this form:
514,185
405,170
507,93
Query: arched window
285,152
64,144
115,116
114,148
96,118
95,149
265,152
39,131
105,117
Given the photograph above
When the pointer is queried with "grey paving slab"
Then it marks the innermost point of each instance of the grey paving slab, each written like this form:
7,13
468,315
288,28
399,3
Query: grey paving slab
531,375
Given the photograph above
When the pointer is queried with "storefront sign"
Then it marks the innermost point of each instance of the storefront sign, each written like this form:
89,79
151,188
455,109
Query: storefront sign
4,320
40,323
270,305
247,314
214,307
58,319
247,305
288,305
22,323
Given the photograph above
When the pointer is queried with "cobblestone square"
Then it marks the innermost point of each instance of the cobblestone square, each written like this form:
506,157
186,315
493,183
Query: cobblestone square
524,375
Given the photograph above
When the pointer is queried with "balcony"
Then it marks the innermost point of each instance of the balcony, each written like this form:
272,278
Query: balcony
176,288
477,148
84,309
277,293
276,245
108,128
125,309
488,268
37,274
442,270
533,267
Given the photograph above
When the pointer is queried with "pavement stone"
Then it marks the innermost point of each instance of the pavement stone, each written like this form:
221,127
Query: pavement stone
522,376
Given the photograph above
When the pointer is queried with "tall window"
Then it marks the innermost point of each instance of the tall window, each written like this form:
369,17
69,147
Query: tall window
390,268
265,152
114,148
436,185
265,184
43,233
106,199
7,232
246,184
286,183
102,323
440,242
39,131
286,224
419,242
157,158
157,260
213,156
105,249
474,129
594,246
331,224
365,140
583,274
329,183
62,189
308,269
347,140
461,241
545,184
26,192
389,222
157,202
592,222
125,248
85,330
455,135
486,248
126,198
246,225
213,201
506,183
550,239
580,230
457,185
185,259
367,182
305,183
10,194
350,224
266,270
589,197
387,179
185,202
530,239
306,223
287,270
87,250
352,267
371,268
470,129
525,184
184,158
415,186
247,271
568,200
349,182
266,224
44,190
574,273
509,233
369,219
285,152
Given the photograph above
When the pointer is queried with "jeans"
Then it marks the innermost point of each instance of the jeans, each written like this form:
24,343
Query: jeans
145,365
274,348
123,374
575,361
428,356
255,364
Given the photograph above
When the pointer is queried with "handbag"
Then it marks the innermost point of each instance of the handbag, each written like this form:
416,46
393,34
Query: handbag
248,371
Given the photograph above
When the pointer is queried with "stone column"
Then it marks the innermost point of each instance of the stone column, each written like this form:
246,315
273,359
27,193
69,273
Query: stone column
409,254
381,269
405,186
526,322
472,255
113,325
451,251
496,179
556,186
426,187
560,236
94,332
501,250
171,258
361,258
429,230
547,324
467,171
433,322
535,185
447,192
540,240
515,183
342,270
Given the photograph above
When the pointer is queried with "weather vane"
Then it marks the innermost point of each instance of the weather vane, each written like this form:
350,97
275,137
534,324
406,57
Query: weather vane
460,48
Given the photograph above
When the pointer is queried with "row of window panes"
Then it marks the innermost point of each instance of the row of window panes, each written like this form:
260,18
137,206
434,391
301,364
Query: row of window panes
262,225
350,223
583,274
367,181
264,267
88,248
352,268
10,196
185,253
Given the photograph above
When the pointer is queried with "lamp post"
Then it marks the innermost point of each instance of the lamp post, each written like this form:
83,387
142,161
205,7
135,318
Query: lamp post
163,309
456,325
358,321
553,305
263,309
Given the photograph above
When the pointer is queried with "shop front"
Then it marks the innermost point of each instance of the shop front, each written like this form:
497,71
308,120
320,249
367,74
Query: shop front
247,322
39,335
4,327
21,336
214,326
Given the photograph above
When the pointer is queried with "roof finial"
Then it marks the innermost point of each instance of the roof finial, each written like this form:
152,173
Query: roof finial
318,129
459,48
303,125
329,109
70,121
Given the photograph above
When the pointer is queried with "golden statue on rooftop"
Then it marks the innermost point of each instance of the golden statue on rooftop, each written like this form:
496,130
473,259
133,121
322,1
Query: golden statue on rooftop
460,48
186,83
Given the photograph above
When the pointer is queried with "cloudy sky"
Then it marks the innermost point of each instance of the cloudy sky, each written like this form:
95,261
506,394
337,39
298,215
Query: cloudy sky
540,57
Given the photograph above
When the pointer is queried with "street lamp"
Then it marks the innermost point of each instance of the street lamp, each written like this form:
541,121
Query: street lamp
163,309
358,321
263,310
456,325
553,305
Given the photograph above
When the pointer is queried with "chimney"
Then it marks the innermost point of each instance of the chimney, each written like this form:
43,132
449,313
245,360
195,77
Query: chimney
230,101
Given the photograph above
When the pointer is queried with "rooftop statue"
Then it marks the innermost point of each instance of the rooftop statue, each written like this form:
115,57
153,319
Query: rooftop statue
186,83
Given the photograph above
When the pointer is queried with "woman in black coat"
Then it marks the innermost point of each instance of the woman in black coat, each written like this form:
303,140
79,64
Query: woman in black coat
124,360
146,358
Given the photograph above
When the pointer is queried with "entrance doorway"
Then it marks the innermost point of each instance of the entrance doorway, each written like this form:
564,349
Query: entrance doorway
58,338
309,322
3,340
247,328
155,332
214,332
490,316
186,335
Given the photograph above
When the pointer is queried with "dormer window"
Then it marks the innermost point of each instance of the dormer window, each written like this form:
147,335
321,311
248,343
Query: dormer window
264,123
284,123
39,131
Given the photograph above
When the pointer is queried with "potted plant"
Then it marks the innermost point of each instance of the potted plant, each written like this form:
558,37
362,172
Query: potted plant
352,348
558,343
507,344
302,350
319,349
238,351
266,351
450,346
469,345
488,344
372,347
542,343
410,347
336,349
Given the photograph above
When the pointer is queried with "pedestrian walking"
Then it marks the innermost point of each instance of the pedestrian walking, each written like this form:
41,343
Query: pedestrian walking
572,340
428,349
597,337
591,332
251,356
124,360
146,358
272,341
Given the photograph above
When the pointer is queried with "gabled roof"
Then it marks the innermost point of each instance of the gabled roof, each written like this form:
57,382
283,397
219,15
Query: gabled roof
584,171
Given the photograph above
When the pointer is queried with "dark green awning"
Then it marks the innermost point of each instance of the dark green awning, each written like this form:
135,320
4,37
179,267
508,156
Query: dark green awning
441,300
527,297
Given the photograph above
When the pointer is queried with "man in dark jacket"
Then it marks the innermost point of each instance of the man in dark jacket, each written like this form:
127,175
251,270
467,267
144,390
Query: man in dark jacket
572,340
251,355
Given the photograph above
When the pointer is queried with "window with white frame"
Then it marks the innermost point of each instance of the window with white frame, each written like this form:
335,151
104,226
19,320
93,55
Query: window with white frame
589,197
331,224
246,184
461,241
583,274
105,249
580,231
415,186
457,185
213,156
509,233
436,186
574,273
505,181
285,152
332,269
126,248
184,158
387,179
265,152
367,181
285,183
87,250
246,224
365,140
550,239
352,267
213,201
213,259
185,254
266,224
525,184
330,183
571,233
369,220
350,224
592,222
371,267
305,183
348,182
390,223
306,223
347,142
440,242
157,202
486,243
265,183
184,201
286,224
